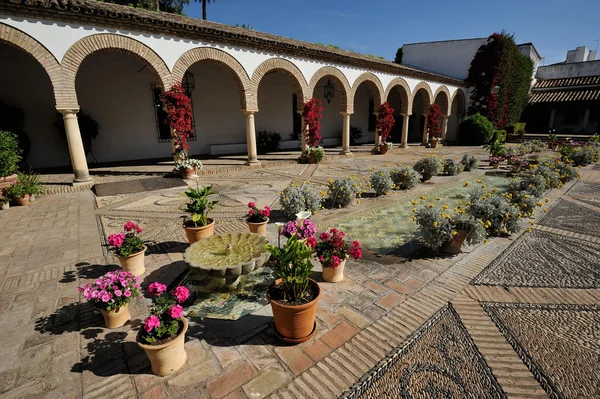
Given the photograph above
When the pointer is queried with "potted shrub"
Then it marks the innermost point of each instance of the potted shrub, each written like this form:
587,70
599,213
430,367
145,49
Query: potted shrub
404,177
383,127
162,336
469,162
428,167
188,168
341,192
381,182
434,129
451,167
315,154
18,191
384,147
293,296
305,229
495,161
10,156
257,219
434,141
198,225
333,251
129,248
33,186
294,199
110,295
552,141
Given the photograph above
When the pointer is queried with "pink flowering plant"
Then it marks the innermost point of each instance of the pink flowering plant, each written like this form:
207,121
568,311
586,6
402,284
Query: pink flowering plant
165,313
332,248
256,215
305,229
111,291
127,242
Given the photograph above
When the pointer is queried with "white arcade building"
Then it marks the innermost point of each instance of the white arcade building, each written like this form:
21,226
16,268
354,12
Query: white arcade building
112,62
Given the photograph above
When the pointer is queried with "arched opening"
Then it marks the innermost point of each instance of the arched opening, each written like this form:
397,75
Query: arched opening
420,107
457,114
26,86
366,101
118,90
441,99
278,106
398,100
330,90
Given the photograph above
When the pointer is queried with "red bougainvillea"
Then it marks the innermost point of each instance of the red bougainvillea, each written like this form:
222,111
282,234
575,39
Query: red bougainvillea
433,122
179,110
312,115
385,121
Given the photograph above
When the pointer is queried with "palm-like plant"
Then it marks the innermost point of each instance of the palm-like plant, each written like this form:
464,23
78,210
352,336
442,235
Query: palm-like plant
204,2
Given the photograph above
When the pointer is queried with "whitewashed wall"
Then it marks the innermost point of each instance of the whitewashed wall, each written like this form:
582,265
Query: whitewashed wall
275,105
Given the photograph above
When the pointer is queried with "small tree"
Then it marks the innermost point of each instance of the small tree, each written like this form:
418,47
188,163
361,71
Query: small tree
433,122
179,116
385,121
312,115
399,53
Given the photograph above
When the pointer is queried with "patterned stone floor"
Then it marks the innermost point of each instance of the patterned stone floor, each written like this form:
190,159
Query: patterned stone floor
61,350
570,216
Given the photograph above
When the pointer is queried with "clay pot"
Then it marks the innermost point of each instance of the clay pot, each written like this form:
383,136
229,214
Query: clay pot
5,206
433,143
495,165
554,147
24,200
334,274
169,357
383,149
258,228
133,263
195,234
425,176
312,159
455,244
295,324
32,197
116,318
188,173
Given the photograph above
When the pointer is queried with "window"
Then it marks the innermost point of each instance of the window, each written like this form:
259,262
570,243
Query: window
372,118
160,117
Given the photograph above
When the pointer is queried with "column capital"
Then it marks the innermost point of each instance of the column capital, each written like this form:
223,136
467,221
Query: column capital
68,111
405,114
249,112
345,114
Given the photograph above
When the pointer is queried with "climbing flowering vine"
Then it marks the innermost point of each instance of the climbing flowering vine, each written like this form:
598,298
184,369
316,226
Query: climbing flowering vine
385,121
312,115
433,122
179,116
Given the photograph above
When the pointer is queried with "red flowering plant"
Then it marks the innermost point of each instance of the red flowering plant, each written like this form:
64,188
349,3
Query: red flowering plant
127,242
385,121
256,215
312,115
179,116
332,248
164,322
111,291
434,129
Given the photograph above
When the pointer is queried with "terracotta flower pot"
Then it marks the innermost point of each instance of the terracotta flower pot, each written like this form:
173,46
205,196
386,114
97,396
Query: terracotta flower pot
32,197
334,274
296,324
312,159
134,263
258,228
169,357
195,234
24,200
5,206
455,244
383,149
495,165
433,143
116,318
188,173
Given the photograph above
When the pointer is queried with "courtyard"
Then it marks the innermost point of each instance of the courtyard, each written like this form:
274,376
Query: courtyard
516,317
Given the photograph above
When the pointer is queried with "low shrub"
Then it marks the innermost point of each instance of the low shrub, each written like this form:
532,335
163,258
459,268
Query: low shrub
537,145
534,185
296,199
404,177
550,174
267,141
10,153
469,162
451,167
381,182
475,130
317,152
428,167
437,227
496,213
341,192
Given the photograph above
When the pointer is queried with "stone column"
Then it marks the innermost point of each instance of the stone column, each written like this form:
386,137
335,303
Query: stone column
444,126
404,142
251,139
586,120
377,137
76,150
425,134
346,134
551,122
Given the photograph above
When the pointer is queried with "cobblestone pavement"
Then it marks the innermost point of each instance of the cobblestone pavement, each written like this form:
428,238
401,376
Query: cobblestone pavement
493,336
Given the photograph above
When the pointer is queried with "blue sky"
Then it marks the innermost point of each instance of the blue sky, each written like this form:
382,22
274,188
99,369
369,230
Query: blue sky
380,27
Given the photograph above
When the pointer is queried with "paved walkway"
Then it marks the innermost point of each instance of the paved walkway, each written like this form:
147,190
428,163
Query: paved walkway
502,315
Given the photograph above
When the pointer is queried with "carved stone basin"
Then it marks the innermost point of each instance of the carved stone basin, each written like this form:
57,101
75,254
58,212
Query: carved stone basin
224,258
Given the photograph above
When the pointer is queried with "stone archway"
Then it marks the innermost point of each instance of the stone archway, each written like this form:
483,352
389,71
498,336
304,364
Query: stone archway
400,85
367,96
422,99
442,98
291,71
458,108
339,79
223,59
73,58
374,85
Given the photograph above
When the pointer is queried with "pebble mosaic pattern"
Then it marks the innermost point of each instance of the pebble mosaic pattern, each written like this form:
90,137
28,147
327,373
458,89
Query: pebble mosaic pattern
439,360
566,215
585,188
553,341
542,259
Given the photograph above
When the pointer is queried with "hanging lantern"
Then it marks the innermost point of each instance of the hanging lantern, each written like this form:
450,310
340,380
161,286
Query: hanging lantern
328,91
188,84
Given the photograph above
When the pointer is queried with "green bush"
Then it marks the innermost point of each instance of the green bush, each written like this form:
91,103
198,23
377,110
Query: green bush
381,182
404,177
437,228
296,199
10,153
497,214
267,141
341,192
475,130
469,162
451,167
428,167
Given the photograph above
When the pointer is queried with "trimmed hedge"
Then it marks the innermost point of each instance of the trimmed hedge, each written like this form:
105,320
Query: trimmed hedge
475,130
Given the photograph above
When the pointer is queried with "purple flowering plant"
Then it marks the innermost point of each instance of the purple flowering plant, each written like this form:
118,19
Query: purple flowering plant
165,313
127,242
111,291
305,229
